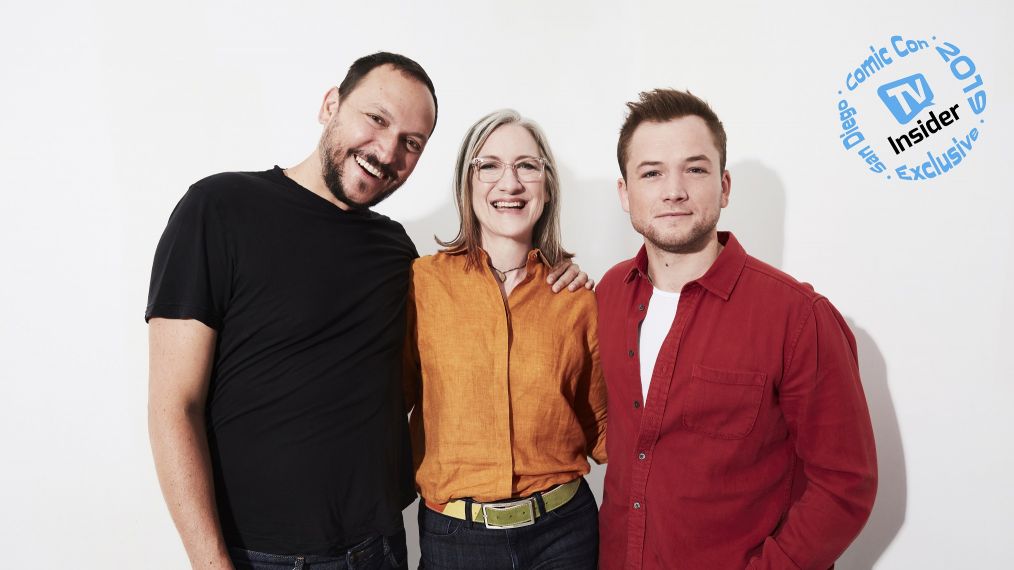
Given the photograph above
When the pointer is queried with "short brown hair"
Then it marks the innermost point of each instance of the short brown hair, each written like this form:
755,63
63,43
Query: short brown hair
662,105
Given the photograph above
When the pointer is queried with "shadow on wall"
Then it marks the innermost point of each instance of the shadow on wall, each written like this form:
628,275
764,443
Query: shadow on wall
756,211
892,493
593,224
443,222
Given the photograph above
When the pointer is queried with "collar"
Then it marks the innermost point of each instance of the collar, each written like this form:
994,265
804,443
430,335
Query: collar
721,277
535,257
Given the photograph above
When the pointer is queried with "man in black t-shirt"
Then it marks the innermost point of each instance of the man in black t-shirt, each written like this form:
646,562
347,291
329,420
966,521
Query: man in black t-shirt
277,316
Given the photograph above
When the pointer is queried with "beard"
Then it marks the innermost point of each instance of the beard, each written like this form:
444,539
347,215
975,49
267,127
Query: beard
333,158
691,241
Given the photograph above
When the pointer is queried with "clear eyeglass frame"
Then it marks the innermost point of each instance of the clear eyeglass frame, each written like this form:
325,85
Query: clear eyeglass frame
523,175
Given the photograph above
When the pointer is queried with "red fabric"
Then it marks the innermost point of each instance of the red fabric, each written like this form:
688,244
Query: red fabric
758,448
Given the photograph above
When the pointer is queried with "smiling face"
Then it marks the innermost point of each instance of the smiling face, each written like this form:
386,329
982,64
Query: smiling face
374,136
508,208
675,188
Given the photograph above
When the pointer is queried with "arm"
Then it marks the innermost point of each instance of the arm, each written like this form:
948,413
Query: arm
568,274
411,368
822,401
593,421
180,359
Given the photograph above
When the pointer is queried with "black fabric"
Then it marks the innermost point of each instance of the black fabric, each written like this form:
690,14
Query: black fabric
306,421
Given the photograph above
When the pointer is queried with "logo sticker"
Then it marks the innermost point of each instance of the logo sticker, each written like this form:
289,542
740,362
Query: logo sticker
906,97
913,109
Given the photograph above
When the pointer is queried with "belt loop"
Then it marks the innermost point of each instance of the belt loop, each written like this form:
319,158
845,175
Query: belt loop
468,511
299,563
540,503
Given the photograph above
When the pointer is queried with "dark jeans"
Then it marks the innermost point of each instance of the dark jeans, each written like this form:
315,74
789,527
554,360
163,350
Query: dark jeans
375,553
566,538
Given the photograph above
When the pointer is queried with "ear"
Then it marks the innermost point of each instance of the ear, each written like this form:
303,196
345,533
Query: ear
621,189
329,106
726,187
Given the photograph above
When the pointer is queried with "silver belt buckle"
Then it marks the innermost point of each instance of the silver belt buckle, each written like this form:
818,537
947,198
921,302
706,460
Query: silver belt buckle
530,503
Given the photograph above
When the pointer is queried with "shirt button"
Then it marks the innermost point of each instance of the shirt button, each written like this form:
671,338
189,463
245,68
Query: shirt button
630,353
640,307
637,505
641,456
637,404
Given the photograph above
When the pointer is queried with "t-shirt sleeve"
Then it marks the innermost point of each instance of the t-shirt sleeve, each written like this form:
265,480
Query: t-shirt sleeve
191,274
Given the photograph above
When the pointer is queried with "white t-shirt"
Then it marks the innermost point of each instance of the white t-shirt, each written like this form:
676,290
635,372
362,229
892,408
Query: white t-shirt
654,328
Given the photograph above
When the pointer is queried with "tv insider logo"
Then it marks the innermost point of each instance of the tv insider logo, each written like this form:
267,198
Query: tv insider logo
913,109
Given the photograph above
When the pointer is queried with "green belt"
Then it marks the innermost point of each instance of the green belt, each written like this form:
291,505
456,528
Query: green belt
512,514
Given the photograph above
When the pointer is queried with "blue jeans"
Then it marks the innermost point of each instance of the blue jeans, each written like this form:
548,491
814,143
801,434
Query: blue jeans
375,553
565,538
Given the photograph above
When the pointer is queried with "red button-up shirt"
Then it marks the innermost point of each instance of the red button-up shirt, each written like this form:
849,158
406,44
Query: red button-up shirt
754,448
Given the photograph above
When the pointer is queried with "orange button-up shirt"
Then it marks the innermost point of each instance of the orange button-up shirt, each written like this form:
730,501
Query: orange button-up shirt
508,396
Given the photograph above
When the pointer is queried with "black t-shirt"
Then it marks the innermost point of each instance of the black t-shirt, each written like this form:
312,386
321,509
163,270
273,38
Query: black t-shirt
306,421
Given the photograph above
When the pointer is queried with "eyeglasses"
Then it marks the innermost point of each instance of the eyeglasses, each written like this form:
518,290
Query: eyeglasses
525,170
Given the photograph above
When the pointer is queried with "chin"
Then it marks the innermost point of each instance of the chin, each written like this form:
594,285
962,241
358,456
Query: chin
367,198
682,243
513,234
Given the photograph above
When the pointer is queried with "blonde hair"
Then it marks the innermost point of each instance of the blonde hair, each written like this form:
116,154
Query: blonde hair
546,234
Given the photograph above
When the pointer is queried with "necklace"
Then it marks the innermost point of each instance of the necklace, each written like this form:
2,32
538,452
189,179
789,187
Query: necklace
502,275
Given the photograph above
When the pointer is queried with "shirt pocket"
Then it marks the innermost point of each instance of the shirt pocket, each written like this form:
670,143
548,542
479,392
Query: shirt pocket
723,403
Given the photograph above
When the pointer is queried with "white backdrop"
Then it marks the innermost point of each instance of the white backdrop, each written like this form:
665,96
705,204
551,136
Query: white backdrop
111,109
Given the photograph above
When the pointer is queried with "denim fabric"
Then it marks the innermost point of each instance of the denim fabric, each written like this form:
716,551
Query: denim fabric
375,553
564,539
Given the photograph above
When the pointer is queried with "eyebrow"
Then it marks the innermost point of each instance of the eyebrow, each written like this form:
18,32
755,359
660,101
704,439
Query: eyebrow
694,158
381,110
495,157
697,158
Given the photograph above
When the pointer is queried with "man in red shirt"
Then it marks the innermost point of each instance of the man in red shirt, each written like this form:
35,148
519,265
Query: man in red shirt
738,434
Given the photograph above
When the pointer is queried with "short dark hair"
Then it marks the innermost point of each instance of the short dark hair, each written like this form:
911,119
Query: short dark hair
662,105
366,64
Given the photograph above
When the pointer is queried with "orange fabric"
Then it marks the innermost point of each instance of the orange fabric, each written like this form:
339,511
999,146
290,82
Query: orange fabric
508,396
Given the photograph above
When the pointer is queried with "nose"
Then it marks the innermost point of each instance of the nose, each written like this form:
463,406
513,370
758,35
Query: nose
387,147
509,182
674,191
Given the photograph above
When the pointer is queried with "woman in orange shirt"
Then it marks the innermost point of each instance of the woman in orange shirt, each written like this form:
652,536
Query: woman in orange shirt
505,382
